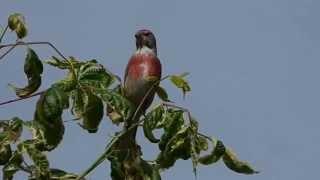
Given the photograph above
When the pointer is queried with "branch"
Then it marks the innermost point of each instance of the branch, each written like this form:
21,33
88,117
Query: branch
104,155
3,33
19,99
31,43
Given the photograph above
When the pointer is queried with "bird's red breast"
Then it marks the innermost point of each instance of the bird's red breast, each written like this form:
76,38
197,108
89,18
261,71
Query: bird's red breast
143,70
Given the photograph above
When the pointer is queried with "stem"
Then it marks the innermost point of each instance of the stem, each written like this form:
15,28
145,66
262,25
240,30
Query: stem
19,99
33,43
3,33
104,155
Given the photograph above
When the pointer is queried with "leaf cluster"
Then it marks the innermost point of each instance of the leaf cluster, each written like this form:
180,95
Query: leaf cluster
87,90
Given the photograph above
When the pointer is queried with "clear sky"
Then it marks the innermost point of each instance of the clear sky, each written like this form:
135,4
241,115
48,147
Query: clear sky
254,68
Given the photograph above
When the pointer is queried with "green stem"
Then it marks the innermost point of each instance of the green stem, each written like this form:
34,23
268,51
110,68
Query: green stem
104,155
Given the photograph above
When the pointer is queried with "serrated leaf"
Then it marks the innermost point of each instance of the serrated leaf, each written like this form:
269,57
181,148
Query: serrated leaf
5,154
178,147
173,122
149,172
68,84
181,83
57,174
153,120
89,108
41,163
63,64
114,116
48,121
33,69
12,166
232,162
16,22
162,94
11,131
94,75
216,153
116,101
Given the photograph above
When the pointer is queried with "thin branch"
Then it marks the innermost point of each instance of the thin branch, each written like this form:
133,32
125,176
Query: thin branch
3,33
25,169
7,52
34,43
104,155
19,99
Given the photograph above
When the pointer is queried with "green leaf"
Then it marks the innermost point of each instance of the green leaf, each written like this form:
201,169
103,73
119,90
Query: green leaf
114,116
149,172
94,75
48,122
16,22
68,84
63,64
5,154
33,69
173,122
153,120
33,85
216,153
178,147
57,174
232,162
41,163
116,101
11,131
89,108
162,94
12,166
181,83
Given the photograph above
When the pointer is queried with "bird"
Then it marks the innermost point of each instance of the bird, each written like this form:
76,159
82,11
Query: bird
142,74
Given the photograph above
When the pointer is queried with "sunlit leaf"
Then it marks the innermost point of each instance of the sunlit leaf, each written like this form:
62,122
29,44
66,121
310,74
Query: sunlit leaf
94,75
57,174
12,166
153,120
33,69
181,83
116,101
41,163
16,22
63,64
172,124
216,153
232,162
10,131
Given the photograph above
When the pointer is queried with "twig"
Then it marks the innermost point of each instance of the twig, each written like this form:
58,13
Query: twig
7,52
34,43
19,99
3,33
104,155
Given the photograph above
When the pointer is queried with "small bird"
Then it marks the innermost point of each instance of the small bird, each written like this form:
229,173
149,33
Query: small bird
142,72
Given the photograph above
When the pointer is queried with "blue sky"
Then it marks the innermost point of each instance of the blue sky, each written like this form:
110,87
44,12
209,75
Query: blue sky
254,68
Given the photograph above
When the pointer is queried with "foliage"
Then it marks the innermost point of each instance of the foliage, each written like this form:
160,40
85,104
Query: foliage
90,88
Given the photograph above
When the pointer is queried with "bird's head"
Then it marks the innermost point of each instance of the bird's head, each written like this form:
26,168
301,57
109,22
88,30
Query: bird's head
146,39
